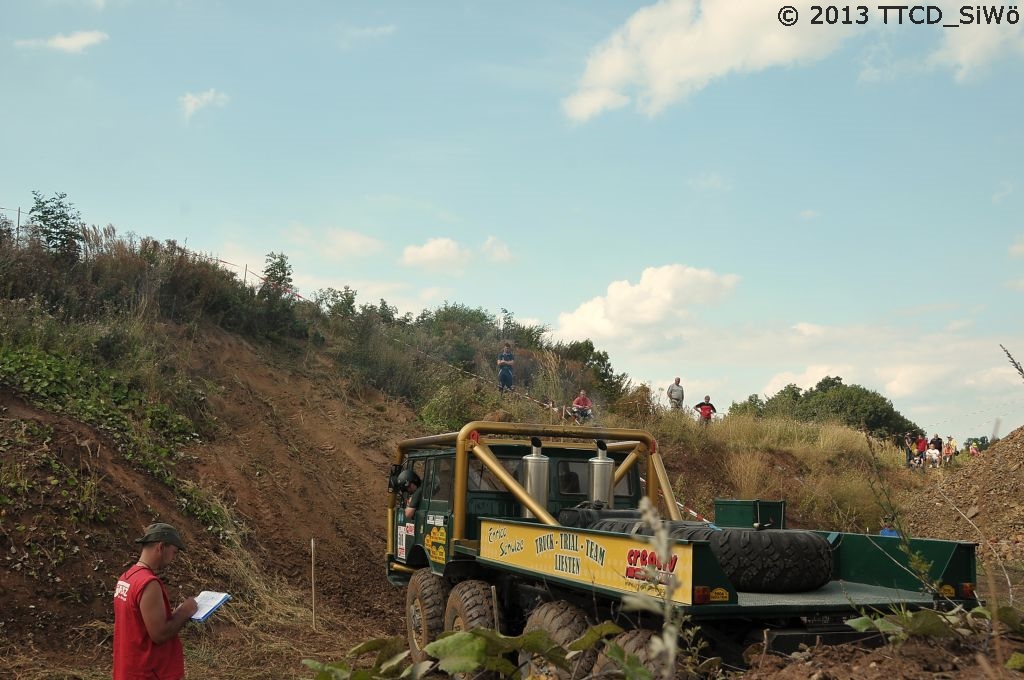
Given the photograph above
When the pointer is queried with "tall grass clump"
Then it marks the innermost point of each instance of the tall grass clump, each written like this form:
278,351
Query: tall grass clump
456,403
751,475
823,470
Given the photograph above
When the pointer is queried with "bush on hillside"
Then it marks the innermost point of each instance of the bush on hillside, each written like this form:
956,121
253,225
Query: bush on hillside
830,401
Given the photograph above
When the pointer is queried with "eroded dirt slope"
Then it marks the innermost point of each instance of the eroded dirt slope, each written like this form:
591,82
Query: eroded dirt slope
296,457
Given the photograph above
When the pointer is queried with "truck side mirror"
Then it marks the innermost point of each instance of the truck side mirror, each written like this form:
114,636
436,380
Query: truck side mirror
393,487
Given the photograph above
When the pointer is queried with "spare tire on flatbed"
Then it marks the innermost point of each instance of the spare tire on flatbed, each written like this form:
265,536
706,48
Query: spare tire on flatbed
768,561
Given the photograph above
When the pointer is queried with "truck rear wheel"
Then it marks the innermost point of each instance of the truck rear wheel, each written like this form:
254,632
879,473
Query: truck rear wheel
470,606
564,623
424,611
635,642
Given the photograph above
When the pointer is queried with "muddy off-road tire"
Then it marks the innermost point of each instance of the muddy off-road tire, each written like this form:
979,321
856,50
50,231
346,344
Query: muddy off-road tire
564,623
424,611
635,642
769,561
470,606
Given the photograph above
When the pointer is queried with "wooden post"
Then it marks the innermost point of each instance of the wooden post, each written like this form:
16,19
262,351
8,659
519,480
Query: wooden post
312,575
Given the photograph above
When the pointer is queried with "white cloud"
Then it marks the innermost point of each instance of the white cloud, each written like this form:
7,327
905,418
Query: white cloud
496,250
587,103
333,244
1017,249
1002,191
809,329
672,49
662,295
808,378
904,380
809,214
1016,284
878,64
349,36
708,181
433,294
968,49
339,244
76,42
436,254
994,377
192,103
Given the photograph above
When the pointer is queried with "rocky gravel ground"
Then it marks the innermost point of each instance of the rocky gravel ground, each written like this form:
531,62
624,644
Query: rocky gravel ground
980,499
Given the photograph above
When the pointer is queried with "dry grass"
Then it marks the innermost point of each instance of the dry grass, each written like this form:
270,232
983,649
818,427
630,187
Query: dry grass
751,475
822,470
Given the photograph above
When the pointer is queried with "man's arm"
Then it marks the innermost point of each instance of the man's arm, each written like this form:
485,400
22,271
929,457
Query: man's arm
159,627
412,504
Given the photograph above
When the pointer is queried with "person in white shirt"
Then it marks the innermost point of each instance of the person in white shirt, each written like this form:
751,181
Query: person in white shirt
675,395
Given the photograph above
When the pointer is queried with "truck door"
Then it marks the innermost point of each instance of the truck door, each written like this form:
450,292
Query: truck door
437,510
405,529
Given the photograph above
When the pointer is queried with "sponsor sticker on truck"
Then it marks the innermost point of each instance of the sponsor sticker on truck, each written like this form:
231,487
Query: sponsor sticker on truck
622,564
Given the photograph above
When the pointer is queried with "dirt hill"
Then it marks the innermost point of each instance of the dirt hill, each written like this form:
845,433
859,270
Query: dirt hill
980,500
300,456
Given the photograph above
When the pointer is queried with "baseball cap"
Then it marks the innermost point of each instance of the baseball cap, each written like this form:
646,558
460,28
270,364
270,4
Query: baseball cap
161,533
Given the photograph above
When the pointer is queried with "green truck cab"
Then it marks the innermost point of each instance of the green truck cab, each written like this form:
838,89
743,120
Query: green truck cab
525,526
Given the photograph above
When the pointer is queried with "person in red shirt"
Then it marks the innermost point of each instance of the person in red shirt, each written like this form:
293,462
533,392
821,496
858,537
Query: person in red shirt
921,445
582,407
146,642
705,409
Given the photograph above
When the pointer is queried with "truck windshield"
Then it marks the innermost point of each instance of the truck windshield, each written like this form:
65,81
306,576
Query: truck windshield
482,479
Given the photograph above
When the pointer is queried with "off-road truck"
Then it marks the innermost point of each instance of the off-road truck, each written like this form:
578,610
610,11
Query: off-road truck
522,526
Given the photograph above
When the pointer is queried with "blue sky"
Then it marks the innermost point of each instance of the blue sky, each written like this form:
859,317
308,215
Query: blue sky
700,190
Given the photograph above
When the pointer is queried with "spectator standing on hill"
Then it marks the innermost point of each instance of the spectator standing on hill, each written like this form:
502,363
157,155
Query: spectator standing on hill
146,642
675,395
921,445
909,446
505,363
973,450
705,410
936,442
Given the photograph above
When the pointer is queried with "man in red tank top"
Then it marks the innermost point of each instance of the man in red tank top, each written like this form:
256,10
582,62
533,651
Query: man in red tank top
146,642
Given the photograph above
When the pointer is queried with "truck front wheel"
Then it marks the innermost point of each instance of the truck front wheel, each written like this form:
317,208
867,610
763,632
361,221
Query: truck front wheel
564,623
424,611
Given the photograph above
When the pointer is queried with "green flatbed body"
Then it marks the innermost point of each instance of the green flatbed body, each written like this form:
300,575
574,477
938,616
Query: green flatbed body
871,573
